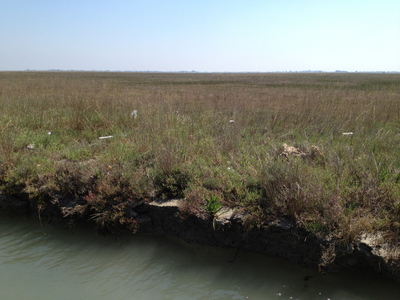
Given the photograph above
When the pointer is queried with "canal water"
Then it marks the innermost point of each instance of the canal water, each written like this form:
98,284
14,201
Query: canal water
42,261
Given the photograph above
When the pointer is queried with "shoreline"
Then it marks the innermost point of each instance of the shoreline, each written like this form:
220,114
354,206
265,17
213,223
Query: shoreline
279,238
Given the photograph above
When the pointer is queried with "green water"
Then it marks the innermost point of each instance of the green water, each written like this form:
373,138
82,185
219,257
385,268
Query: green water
54,262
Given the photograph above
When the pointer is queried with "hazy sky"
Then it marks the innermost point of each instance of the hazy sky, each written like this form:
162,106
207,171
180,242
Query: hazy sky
202,35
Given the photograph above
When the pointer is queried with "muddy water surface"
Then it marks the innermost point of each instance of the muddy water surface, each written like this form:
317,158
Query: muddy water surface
54,262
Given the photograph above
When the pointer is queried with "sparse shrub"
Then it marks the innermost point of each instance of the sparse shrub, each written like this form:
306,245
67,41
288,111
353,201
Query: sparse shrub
110,215
75,179
171,184
192,204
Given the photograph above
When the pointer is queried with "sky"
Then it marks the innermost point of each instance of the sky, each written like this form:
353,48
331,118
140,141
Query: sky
205,36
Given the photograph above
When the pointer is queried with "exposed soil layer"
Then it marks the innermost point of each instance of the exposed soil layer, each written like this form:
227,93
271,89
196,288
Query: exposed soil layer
281,238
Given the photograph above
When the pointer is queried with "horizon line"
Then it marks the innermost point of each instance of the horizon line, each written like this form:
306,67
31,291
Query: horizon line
194,71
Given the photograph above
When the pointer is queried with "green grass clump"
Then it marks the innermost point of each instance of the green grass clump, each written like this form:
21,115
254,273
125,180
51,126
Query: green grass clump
208,134
213,207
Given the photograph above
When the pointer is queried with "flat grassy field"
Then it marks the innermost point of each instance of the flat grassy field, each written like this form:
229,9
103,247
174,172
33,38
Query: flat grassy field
211,139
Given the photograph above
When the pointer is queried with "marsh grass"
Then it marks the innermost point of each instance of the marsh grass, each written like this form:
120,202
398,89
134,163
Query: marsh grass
196,134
